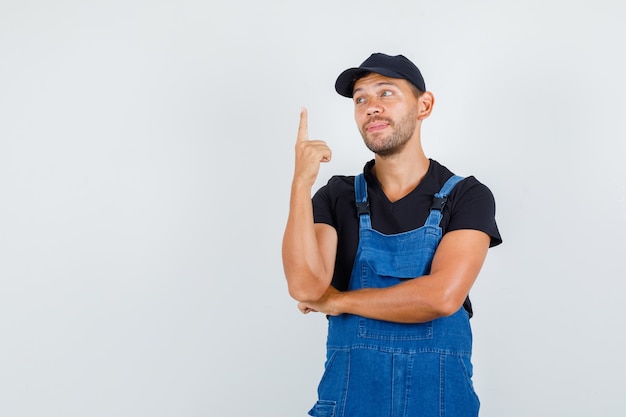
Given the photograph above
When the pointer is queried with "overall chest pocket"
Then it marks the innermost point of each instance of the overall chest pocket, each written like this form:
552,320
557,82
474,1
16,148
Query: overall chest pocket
393,258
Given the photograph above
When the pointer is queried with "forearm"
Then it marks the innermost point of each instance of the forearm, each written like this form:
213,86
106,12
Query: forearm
305,269
455,267
415,301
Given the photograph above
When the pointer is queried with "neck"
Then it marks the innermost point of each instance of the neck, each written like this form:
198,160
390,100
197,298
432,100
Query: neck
400,173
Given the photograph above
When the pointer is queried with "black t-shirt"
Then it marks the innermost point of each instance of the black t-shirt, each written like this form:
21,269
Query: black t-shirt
470,205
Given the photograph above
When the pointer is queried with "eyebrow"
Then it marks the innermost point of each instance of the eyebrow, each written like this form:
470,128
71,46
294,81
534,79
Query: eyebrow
382,83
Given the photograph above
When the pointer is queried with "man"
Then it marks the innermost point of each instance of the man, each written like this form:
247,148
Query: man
389,256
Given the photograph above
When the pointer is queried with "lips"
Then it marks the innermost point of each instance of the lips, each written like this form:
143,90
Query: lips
376,126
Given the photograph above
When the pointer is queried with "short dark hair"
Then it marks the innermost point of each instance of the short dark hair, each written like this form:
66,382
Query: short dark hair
416,91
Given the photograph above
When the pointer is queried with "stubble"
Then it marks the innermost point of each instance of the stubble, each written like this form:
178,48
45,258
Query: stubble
393,142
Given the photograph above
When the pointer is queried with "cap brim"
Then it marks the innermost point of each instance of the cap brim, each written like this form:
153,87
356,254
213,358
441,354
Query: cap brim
345,82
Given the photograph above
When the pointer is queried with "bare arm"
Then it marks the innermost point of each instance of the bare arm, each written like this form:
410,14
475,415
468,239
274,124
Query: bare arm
455,267
308,249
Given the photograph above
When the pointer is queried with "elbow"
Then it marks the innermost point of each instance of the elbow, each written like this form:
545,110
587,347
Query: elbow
304,285
447,304
447,310
304,294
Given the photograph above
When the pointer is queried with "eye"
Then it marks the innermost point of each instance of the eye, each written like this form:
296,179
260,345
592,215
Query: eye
386,93
359,100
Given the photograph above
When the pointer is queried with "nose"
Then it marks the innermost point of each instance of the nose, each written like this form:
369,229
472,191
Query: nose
373,107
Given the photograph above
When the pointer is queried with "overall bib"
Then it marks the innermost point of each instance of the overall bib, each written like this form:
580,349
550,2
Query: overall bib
376,368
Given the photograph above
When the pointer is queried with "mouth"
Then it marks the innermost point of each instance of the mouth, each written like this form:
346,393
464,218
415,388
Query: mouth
376,126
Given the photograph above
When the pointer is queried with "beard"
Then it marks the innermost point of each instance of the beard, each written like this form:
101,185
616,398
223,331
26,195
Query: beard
393,142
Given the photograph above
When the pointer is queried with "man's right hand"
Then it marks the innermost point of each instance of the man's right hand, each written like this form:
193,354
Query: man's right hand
309,154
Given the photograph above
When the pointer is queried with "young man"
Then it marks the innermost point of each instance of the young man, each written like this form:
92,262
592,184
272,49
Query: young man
389,256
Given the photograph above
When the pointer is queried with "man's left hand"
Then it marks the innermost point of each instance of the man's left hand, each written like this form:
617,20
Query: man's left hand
326,304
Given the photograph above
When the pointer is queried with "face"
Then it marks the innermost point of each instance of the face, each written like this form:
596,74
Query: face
386,112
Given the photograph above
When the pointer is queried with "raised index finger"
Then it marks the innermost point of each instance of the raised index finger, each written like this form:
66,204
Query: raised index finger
303,128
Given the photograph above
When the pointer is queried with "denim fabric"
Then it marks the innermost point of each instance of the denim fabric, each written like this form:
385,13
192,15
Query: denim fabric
377,368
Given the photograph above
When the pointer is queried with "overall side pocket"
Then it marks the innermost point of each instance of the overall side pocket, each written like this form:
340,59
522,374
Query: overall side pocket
323,409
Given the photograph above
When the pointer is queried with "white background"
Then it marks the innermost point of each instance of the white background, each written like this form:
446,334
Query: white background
146,149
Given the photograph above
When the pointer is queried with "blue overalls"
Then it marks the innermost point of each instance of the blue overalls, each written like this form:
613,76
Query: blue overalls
377,368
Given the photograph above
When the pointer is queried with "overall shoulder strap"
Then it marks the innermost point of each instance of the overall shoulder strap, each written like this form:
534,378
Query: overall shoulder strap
440,199
362,204
442,196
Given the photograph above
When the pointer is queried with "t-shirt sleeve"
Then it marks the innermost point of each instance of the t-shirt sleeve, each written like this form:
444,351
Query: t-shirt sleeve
322,206
474,208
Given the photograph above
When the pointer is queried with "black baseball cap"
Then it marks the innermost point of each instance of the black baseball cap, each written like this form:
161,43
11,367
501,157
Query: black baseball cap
397,66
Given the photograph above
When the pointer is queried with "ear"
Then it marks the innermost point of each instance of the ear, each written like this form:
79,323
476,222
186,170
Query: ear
425,103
